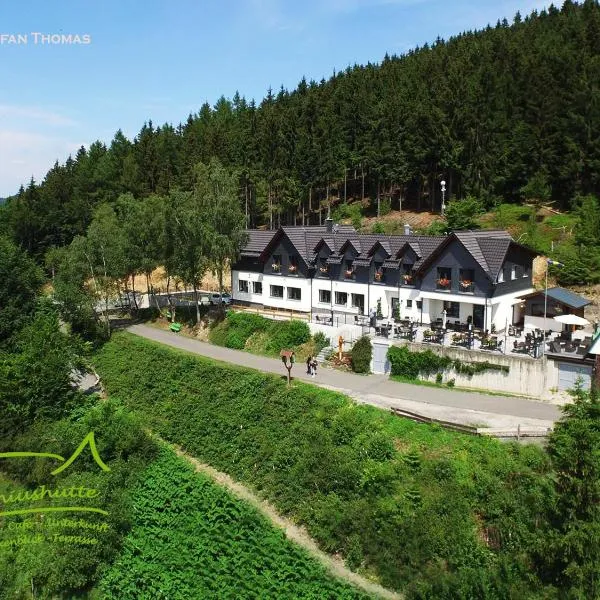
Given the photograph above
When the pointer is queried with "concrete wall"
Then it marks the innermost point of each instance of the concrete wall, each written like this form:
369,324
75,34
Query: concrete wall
350,333
527,376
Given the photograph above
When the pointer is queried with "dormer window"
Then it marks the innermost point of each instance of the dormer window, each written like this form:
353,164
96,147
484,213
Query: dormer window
276,266
349,270
323,266
407,274
293,266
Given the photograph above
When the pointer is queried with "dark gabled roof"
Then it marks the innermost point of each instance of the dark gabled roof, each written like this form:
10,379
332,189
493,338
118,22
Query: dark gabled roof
383,243
351,241
257,242
305,239
563,296
487,247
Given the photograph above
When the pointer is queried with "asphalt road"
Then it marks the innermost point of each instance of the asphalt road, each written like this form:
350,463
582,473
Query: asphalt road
379,390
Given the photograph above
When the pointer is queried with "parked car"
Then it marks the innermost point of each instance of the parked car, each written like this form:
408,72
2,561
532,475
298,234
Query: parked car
204,300
216,299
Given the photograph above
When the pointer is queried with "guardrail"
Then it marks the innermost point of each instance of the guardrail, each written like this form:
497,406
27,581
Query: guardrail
503,433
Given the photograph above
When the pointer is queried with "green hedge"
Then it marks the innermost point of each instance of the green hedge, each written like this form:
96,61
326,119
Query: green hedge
412,364
408,502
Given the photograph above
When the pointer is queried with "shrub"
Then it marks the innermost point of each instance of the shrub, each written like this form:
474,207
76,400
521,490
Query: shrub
321,341
362,352
450,383
287,334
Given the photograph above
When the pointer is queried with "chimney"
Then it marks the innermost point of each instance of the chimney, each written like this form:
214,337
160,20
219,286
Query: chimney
329,224
407,229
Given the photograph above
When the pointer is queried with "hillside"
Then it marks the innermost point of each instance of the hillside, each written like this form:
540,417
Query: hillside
473,110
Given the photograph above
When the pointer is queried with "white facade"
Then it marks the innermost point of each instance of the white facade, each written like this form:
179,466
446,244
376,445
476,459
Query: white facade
287,292
321,295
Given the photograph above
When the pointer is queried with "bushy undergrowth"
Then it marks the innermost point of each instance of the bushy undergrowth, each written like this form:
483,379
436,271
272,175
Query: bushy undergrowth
439,514
192,539
257,334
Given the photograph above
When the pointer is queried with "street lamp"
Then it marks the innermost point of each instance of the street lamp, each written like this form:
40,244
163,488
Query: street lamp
443,184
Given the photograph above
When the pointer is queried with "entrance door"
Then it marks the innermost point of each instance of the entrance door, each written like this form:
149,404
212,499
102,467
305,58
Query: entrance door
478,316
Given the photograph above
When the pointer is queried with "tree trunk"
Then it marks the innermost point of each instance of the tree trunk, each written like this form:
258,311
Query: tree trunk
196,302
246,197
133,292
270,209
345,178
362,174
378,199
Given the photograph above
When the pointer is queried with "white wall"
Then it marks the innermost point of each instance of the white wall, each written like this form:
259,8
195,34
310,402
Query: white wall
303,305
341,286
350,333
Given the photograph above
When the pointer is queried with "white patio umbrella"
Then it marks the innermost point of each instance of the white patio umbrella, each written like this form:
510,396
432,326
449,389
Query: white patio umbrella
571,320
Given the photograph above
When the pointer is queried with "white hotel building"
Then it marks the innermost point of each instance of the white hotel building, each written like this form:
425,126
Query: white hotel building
331,270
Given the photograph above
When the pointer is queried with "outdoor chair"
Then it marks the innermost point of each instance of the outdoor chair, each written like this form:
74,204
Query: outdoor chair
569,347
555,347
582,349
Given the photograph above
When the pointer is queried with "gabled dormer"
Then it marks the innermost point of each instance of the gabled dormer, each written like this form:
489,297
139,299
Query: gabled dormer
282,257
322,252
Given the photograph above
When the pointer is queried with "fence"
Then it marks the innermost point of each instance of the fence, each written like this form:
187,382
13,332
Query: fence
518,433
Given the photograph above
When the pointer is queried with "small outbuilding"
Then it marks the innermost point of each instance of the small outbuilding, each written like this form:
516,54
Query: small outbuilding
551,303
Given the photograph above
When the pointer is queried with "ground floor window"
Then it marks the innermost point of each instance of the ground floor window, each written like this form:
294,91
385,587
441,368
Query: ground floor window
409,304
358,301
452,309
325,296
257,287
341,298
420,304
294,293
276,291
243,286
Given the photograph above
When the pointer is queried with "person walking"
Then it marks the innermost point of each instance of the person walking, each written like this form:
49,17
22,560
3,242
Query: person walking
313,364
309,365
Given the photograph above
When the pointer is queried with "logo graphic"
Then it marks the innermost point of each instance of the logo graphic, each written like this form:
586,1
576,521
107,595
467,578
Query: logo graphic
59,492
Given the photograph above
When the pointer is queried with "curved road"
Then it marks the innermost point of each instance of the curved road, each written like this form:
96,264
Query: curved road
379,390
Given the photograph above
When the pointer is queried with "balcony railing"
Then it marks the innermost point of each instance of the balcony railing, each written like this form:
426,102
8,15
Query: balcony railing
443,284
466,286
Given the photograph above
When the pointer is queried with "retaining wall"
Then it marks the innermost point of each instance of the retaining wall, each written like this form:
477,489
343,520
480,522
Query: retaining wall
527,376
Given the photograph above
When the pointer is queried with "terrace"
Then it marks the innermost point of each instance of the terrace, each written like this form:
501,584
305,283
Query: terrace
513,340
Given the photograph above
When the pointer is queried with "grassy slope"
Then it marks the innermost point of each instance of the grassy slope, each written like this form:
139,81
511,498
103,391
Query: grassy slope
191,539
407,502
